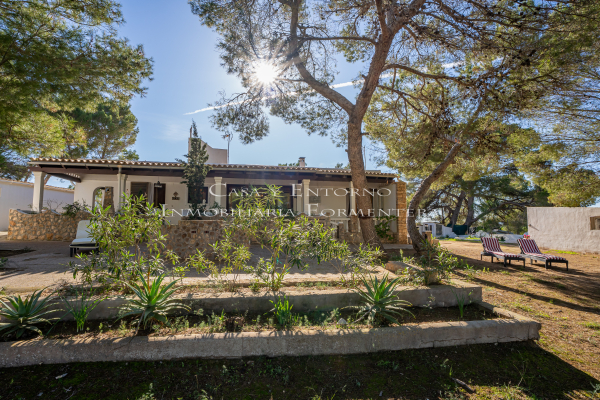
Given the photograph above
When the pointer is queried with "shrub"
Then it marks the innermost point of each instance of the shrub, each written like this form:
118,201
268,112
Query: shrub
131,241
383,227
24,314
380,304
437,260
153,302
71,210
290,240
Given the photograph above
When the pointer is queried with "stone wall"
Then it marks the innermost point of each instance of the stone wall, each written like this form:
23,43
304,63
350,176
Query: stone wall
188,236
47,225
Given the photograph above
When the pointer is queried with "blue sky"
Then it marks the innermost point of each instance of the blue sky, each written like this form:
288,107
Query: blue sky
188,76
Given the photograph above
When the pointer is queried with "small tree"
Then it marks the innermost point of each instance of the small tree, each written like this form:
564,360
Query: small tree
195,172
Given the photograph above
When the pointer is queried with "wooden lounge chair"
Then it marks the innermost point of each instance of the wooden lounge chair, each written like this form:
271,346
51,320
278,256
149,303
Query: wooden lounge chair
529,249
82,241
491,248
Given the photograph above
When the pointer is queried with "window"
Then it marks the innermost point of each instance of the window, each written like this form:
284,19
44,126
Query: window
595,223
234,192
204,195
140,189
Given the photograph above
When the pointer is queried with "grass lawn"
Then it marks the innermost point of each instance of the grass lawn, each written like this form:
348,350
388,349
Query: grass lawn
565,363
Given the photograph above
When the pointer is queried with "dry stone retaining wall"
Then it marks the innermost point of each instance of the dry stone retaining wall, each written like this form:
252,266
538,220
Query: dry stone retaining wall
47,225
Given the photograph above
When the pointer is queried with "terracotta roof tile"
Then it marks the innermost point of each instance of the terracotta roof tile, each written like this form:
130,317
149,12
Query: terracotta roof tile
216,166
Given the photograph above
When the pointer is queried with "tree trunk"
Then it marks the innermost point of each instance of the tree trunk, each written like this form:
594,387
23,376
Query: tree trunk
359,180
456,212
413,207
470,210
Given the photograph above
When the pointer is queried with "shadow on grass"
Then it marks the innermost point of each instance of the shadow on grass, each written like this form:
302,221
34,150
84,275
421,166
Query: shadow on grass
509,369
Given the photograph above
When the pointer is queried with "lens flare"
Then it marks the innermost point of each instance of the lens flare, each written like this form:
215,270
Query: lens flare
265,72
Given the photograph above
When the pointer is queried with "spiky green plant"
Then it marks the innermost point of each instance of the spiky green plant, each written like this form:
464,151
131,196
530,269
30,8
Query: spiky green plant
153,302
24,313
379,300
283,312
81,307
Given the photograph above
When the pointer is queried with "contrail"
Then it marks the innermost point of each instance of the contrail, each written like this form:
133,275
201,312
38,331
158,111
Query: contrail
337,85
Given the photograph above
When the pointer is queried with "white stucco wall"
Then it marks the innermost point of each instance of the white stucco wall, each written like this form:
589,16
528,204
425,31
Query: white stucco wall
564,228
85,189
19,195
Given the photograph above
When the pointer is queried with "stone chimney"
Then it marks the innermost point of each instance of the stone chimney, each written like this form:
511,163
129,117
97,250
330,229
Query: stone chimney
302,162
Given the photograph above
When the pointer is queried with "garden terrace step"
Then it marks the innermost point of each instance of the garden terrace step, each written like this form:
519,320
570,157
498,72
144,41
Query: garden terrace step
304,300
510,328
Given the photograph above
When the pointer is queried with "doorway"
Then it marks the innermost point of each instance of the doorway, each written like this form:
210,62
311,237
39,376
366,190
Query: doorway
159,195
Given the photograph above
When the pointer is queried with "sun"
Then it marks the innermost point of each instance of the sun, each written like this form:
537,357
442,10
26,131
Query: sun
265,72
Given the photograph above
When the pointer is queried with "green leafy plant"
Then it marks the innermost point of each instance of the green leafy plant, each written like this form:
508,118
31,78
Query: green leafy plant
379,301
259,216
24,314
3,262
71,210
81,307
283,312
462,300
383,227
436,262
153,301
131,240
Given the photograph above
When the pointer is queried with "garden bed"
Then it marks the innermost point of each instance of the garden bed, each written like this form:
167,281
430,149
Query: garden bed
235,322
304,299
508,327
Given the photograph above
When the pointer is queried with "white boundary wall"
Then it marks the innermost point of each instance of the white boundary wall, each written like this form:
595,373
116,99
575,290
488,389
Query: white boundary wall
19,195
564,228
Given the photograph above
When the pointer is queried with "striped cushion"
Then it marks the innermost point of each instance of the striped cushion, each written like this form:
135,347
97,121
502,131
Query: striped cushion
506,255
529,247
491,245
548,257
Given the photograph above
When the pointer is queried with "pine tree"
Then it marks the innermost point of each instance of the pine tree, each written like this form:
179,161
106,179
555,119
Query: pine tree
194,173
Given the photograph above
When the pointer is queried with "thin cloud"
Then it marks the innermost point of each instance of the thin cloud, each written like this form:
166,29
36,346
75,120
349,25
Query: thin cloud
335,86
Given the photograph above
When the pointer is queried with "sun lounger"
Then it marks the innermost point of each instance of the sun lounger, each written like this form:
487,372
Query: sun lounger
491,248
82,241
529,249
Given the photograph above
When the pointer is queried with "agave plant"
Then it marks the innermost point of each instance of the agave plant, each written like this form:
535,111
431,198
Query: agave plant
153,301
379,300
24,314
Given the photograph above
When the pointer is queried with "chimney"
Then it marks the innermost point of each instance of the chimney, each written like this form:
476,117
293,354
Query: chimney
302,162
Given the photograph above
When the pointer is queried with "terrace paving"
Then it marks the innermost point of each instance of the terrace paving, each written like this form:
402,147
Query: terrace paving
47,266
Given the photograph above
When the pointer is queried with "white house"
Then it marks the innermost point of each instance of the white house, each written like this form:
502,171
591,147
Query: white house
313,191
17,194
436,229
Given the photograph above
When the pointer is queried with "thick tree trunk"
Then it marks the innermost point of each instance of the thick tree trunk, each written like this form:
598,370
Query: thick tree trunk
413,207
359,180
470,210
456,211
